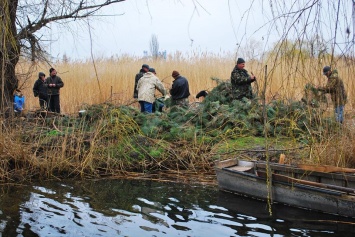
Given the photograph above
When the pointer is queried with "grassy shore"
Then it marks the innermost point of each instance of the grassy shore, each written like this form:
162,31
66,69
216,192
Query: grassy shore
115,138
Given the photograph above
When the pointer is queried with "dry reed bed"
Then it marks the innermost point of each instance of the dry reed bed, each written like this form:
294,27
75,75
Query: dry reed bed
90,82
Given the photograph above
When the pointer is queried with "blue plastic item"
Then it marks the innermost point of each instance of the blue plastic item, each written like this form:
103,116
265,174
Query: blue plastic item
19,103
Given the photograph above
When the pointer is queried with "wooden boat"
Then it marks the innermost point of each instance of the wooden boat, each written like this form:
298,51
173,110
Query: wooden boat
283,217
328,192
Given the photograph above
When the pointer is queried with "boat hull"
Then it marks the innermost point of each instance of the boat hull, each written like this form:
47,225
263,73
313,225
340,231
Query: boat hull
294,194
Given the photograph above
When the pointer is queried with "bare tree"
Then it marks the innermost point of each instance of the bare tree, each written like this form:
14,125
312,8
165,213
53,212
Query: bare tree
154,47
21,21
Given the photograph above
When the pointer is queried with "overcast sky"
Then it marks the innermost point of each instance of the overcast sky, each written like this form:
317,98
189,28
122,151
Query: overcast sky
186,25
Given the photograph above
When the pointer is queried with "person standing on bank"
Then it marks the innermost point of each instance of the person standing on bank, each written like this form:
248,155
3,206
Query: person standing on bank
146,90
139,75
241,81
180,90
335,87
40,91
53,84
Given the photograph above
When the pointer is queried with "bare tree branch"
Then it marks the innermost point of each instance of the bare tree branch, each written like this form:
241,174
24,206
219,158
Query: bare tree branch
69,11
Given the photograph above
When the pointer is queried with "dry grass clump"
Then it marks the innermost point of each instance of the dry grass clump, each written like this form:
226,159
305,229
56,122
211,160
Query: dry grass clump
107,141
336,149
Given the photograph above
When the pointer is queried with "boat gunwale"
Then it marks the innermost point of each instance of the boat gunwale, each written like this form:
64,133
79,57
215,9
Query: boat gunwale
292,185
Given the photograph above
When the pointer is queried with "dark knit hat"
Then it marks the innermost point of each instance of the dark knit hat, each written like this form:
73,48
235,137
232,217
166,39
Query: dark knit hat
41,74
240,60
175,74
51,70
152,70
326,69
145,66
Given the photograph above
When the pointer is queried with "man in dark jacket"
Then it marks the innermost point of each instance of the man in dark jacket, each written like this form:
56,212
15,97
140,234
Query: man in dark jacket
144,69
40,90
180,90
53,84
241,81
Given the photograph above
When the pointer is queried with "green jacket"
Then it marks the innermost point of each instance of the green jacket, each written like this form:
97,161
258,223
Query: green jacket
335,87
241,84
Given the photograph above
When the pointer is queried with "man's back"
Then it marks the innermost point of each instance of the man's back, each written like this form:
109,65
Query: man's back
146,87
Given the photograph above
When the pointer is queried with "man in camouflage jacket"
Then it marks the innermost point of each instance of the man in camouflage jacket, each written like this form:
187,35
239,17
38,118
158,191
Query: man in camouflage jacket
241,81
335,87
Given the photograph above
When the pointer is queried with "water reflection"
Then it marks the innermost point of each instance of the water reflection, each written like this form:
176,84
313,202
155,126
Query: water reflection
147,208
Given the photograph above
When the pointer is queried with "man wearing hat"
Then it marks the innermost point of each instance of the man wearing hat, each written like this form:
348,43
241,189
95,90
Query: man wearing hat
241,81
146,90
180,90
335,87
53,84
40,91
144,69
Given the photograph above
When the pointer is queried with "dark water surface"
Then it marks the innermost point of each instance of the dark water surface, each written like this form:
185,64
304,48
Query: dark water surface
149,208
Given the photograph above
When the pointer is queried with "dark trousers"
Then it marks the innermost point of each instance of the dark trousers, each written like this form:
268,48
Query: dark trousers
43,102
54,103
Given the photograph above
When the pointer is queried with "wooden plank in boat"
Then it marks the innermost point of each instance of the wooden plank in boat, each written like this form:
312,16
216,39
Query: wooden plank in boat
293,169
240,168
325,168
226,163
287,179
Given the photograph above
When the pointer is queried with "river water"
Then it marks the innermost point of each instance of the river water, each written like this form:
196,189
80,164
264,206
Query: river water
149,208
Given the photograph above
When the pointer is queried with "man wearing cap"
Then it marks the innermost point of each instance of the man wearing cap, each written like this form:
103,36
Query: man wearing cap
53,84
335,87
146,87
144,69
40,90
179,90
241,81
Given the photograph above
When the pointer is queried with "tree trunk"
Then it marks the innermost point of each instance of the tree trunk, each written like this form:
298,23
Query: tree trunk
9,55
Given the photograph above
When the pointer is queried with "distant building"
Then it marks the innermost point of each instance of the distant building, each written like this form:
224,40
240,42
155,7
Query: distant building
161,54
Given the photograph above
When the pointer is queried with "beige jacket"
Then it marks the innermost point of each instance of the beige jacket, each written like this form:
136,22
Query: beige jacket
146,87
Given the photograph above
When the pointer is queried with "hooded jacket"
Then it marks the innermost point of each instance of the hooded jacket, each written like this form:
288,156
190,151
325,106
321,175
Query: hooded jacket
40,89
